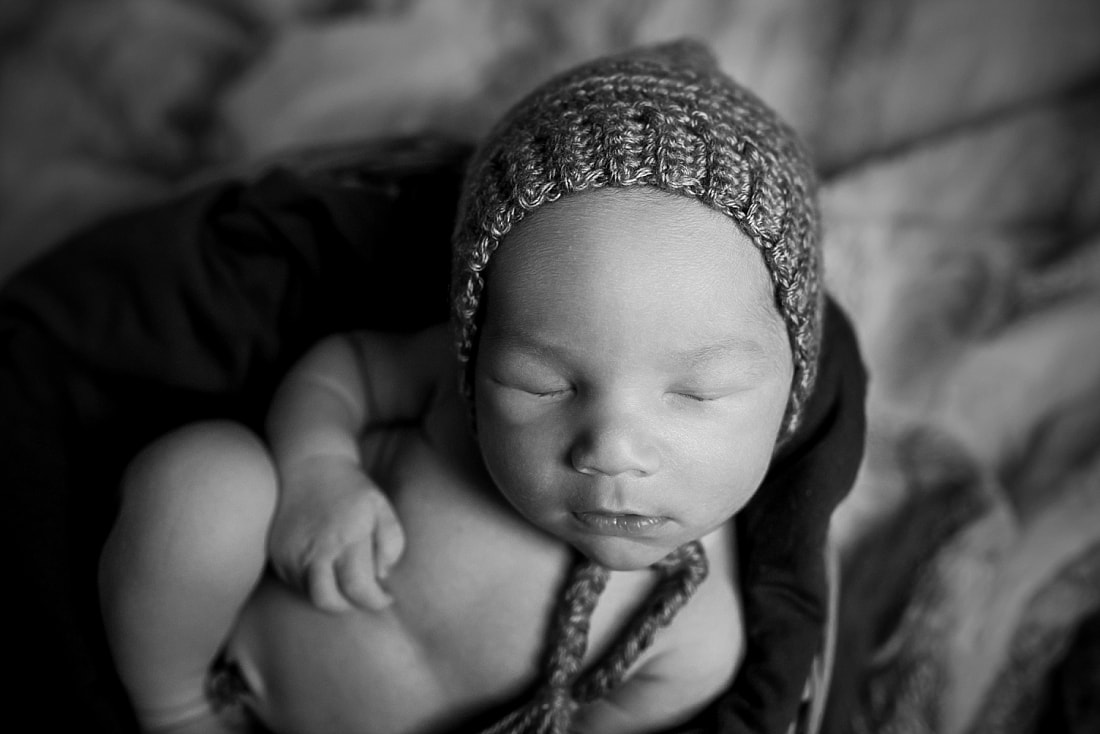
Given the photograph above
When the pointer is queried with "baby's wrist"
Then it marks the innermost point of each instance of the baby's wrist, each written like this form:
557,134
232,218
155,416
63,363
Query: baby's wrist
308,471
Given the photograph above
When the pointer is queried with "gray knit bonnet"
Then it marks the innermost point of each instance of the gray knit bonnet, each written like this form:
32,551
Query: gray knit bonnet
662,116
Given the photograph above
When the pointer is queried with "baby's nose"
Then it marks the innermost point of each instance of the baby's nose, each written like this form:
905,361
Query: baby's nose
615,443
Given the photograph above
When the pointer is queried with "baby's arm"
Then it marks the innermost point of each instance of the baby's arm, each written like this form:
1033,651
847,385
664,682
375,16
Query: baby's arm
335,534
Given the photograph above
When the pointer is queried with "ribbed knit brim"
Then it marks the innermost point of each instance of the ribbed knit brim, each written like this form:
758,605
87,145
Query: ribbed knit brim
663,116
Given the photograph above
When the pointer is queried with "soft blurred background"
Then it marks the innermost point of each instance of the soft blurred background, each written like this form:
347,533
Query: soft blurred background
959,147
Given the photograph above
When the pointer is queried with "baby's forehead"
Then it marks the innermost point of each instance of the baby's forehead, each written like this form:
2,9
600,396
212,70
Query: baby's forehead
655,245
673,226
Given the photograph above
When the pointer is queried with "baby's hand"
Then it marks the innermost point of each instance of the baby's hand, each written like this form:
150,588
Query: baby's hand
335,535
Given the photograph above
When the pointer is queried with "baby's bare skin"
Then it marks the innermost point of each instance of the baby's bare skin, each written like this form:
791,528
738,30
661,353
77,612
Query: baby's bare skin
631,380
473,597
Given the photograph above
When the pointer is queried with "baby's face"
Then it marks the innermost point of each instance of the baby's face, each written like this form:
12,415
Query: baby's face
632,372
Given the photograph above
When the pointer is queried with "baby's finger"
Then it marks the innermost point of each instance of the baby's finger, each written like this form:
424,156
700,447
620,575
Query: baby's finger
324,591
291,574
296,575
355,573
389,541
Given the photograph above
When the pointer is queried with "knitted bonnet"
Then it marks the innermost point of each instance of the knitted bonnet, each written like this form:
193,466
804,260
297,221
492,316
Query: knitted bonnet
663,116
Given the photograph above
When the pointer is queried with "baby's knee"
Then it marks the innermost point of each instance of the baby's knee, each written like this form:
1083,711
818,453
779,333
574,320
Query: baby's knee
216,464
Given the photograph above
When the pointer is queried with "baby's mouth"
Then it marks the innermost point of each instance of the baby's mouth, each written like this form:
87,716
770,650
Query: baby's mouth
623,524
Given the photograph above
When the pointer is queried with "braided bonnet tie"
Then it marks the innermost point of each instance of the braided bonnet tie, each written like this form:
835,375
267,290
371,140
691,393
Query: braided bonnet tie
551,708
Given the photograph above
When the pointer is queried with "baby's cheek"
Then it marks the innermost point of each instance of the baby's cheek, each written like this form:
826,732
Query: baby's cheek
511,459
732,471
732,491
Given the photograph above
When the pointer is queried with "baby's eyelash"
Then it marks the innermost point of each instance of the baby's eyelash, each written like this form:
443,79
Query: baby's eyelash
549,393
696,398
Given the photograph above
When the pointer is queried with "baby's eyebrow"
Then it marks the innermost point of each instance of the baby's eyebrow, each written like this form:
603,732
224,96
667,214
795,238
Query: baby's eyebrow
520,341
735,345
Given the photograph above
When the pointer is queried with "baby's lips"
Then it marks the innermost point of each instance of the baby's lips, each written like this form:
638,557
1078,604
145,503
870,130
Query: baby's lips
621,524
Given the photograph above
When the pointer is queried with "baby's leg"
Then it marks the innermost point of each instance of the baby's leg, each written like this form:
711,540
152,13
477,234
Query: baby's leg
186,551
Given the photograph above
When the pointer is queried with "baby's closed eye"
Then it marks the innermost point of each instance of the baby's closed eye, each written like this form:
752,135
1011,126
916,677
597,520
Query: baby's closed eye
533,379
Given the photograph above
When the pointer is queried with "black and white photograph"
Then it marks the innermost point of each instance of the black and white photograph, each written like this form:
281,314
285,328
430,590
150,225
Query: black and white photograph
551,366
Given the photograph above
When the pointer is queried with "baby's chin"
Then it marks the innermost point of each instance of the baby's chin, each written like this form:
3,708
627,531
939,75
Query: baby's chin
620,554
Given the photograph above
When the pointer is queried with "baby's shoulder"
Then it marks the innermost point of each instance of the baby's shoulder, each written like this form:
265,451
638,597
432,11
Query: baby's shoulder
403,360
